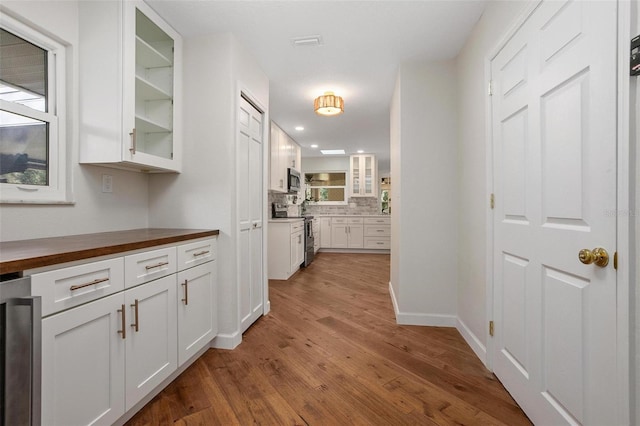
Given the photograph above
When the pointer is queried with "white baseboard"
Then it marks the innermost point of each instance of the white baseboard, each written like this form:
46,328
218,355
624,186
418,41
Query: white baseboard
413,318
227,341
472,340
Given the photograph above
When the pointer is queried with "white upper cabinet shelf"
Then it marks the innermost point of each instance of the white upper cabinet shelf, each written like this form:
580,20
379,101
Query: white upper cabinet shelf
130,94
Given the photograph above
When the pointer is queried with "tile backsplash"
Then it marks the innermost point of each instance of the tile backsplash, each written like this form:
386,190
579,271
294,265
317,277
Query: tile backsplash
356,206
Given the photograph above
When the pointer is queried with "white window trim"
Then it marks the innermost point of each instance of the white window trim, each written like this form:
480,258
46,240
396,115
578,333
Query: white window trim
330,203
58,189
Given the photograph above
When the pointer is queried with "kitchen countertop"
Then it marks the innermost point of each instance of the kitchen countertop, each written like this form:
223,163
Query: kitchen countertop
285,219
16,256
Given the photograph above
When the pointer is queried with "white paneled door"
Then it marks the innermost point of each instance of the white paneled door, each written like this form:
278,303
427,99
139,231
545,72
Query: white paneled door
554,156
250,191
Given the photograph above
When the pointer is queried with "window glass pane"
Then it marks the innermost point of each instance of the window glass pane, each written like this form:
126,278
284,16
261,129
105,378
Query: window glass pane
23,72
24,150
326,179
325,194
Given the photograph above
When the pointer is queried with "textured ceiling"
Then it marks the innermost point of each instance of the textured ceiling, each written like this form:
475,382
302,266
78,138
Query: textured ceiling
363,43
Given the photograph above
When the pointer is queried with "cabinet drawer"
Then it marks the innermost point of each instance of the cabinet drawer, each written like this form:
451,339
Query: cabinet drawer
297,226
377,230
193,254
68,287
150,265
377,220
355,220
377,243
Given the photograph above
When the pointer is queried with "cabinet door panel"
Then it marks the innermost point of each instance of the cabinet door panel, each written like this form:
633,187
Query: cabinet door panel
197,317
356,236
83,364
325,232
339,236
151,348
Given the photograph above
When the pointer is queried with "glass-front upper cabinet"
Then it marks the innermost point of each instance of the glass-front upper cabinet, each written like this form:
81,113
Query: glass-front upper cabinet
136,70
363,175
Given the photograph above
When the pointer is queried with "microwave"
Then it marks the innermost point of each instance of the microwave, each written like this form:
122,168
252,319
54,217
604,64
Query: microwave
293,180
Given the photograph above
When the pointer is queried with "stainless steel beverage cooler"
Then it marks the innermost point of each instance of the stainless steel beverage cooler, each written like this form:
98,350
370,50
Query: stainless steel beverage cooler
20,353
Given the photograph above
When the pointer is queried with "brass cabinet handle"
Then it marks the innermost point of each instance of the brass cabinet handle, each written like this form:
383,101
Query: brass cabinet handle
124,321
200,253
133,141
185,284
156,266
597,256
96,281
380,230
136,324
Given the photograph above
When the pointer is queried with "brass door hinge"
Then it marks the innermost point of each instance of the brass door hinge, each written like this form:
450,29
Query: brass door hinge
492,201
491,328
615,260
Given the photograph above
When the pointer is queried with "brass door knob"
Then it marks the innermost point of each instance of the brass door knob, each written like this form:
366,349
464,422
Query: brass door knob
599,256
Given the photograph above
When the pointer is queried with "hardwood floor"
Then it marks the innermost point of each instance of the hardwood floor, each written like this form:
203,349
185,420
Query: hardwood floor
330,353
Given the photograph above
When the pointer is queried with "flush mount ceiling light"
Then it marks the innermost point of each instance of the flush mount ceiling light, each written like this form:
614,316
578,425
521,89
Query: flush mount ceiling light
332,151
328,104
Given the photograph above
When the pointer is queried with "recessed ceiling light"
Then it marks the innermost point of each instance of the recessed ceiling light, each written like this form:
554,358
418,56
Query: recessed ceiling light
360,151
299,128
313,40
332,151
314,146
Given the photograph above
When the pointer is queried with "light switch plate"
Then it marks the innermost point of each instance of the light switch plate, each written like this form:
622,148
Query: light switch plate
107,183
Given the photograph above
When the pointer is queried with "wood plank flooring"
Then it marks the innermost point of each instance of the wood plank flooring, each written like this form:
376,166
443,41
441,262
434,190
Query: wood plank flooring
330,353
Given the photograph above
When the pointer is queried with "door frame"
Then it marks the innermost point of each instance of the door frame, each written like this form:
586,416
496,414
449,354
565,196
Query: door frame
624,209
243,91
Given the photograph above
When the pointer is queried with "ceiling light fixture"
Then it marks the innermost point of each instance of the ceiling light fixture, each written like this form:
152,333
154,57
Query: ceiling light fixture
299,128
360,151
314,146
332,151
328,104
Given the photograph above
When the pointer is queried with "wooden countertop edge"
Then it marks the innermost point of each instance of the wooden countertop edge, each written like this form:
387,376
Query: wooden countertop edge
31,262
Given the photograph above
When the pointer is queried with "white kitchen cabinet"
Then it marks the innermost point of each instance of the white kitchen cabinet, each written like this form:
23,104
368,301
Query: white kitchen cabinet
130,87
315,223
99,361
285,247
297,250
119,335
197,318
285,153
347,232
363,171
83,364
150,346
325,232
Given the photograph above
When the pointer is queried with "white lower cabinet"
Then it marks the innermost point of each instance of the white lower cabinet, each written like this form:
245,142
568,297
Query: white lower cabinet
339,236
83,364
286,247
99,362
353,232
102,357
151,341
297,250
325,232
197,319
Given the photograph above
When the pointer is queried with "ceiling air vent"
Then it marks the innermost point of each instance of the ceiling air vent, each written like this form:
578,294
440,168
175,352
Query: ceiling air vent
314,40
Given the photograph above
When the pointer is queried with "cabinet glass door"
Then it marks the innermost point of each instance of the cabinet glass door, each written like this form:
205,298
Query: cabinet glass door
355,175
368,175
154,59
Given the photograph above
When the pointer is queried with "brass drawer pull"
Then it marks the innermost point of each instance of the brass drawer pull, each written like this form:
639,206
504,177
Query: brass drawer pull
156,266
200,253
380,230
96,281
136,324
124,321
185,284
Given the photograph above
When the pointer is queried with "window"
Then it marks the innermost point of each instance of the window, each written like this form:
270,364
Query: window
32,112
326,187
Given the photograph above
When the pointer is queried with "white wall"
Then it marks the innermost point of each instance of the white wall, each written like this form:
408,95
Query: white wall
472,172
395,140
318,164
426,149
634,133
204,194
126,207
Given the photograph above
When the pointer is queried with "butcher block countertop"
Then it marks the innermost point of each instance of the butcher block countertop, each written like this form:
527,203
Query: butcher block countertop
16,256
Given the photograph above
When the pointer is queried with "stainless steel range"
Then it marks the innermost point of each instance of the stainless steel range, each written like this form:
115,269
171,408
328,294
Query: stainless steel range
308,240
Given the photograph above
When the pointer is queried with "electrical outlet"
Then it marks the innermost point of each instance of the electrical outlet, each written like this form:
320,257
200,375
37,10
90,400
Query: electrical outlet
107,183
